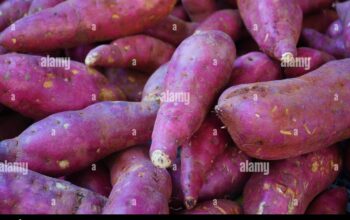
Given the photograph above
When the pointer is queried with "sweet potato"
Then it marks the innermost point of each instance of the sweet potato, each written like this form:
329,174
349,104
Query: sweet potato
199,10
335,29
40,86
254,67
138,52
12,124
292,183
200,67
198,155
334,46
95,178
308,59
79,53
12,10
344,15
3,50
228,21
38,5
216,207
280,119
172,30
67,142
28,192
223,179
138,186
154,87
332,201
321,20
274,24
131,82
76,22
313,5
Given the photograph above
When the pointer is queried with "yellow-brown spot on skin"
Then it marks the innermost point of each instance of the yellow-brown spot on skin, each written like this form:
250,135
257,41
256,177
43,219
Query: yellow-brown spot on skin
75,72
110,60
307,129
63,164
126,48
266,186
115,16
50,76
284,132
106,94
287,111
314,166
48,84
131,79
92,71
274,109
14,40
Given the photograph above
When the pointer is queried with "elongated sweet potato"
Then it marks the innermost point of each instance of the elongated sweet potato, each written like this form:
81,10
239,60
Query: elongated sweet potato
67,142
138,52
334,46
274,24
76,22
38,5
280,119
292,183
11,11
344,15
228,21
321,20
26,192
138,186
172,30
198,155
199,10
254,67
12,124
313,5
216,207
200,67
79,53
40,86
335,29
95,178
154,87
308,59
131,82
332,201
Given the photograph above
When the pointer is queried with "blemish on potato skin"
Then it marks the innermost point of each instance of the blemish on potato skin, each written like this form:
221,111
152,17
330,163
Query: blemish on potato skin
63,164
48,84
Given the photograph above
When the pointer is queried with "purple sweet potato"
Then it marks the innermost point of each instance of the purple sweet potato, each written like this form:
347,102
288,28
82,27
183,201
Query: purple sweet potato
223,179
274,24
138,186
154,87
33,87
308,59
343,10
334,46
38,5
280,119
198,155
199,69
321,20
67,142
131,82
79,53
216,207
172,30
3,50
12,124
95,178
313,5
228,21
76,22
335,29
292,184
254,67
28,192
138,52
199,10
332,201
12,10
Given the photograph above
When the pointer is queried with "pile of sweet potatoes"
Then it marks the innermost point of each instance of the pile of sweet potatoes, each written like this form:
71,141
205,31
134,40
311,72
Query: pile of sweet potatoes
181,107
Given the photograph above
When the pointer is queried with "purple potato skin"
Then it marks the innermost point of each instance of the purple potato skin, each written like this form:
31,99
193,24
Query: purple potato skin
216,207
34,193
12,10
38,5
290,128
308,6
344,15
154,86
335,29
